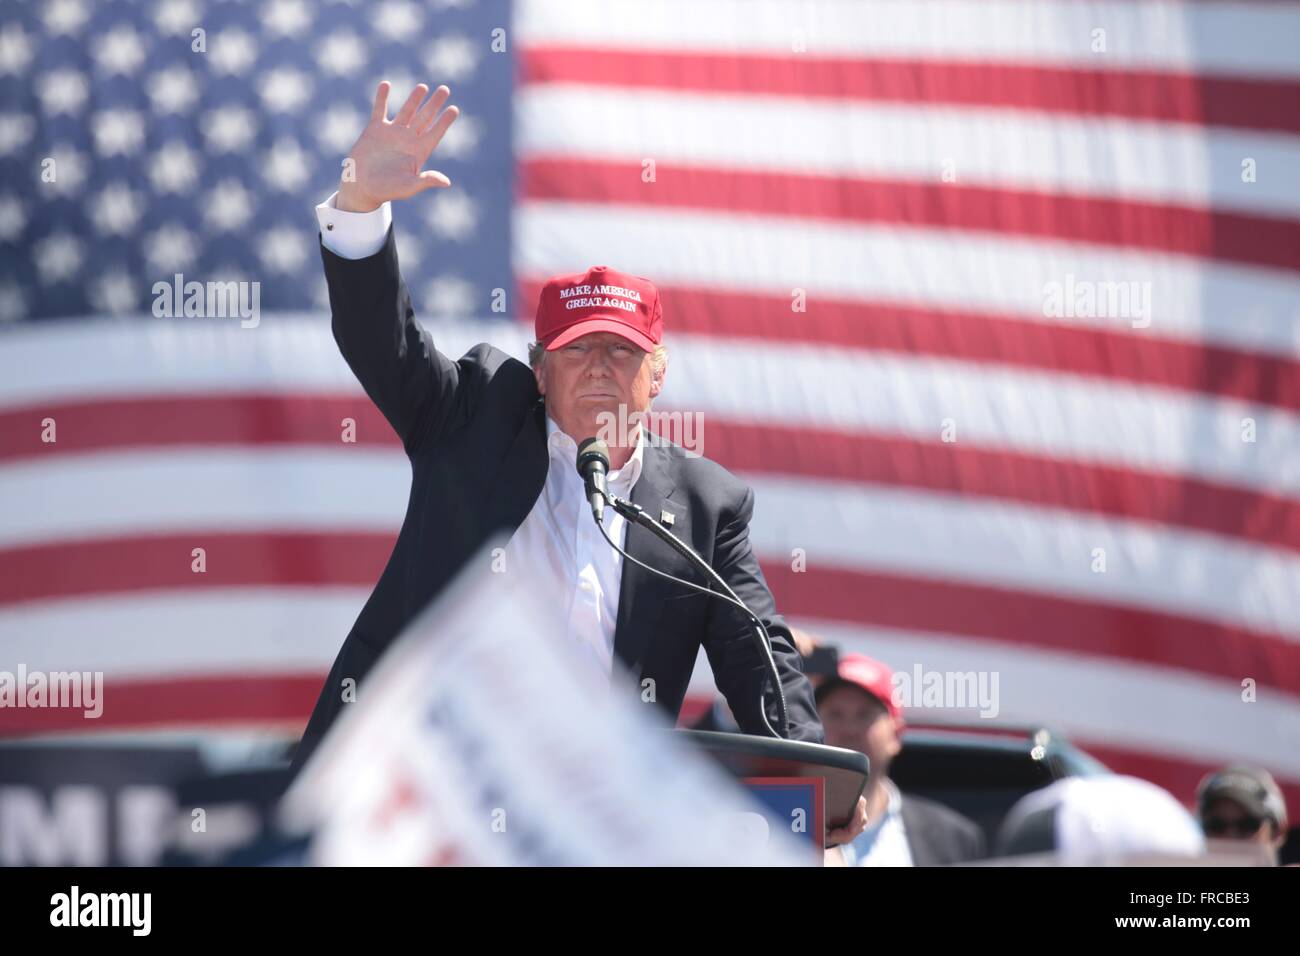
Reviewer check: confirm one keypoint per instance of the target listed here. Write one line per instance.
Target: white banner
(481, 738)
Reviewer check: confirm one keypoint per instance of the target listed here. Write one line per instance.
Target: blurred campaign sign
(794, 803)
(483, 738)
(76, 803)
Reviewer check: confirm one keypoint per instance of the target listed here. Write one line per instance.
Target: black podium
(843, 772)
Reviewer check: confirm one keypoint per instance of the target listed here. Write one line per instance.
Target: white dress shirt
(353, 235)
(883, 842)
(558, 543)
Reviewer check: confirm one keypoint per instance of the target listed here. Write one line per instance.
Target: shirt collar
(895, 798)
(565, 450)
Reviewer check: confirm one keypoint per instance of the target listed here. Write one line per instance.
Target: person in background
(1104, 820)
(1243, 803)
(859, 713)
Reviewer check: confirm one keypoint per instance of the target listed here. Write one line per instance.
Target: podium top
(845, 772)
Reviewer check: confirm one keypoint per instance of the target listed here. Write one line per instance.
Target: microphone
(593, 466)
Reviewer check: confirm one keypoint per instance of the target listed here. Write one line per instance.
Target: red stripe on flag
(895, 461)
(982, 612)
(129, 704)
(756, 447)
(907, 329)
(197, 419)
(1234, 237)
(123, 565)
(1179, 776)
(1028, 619)
(1197, 99)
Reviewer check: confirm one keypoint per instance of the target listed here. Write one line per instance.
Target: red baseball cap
(599, 300)
(870, 675)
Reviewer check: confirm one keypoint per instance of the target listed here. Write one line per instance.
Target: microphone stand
(636, 514)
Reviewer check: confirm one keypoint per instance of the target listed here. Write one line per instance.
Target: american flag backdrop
(995, 303)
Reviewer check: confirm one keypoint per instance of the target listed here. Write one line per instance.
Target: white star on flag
(452, 215)
(121, 51)
(118, 132)
(232, 51)
(228, 206)
(452, 57)
(116, 209)
(287, 166)
(62, 91)
(175, 168)
(287, 17)
(170, 249)
(58, 257)
(342, 52)
(229, 129)
(65, 17)
(15, 50)
(173, 90)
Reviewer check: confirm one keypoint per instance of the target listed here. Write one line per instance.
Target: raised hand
(388, 156)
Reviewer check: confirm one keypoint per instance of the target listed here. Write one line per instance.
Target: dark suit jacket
(474, 431)
(937, 835)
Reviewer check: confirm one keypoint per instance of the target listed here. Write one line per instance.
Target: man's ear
(657, 380)
(541, 380)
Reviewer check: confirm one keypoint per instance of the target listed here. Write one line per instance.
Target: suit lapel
(637, 600)
(523, 475)
(917, 836)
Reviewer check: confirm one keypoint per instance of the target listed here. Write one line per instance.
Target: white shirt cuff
(353, 235)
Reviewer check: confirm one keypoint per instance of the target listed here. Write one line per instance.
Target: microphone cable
(765, 639)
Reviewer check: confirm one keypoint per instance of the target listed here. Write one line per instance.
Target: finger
(431, 178)
(429, 111)
(404, 115)
(434, 134)
(380, 111)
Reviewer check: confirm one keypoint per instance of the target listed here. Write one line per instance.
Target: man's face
(590, 378)
(855, 720)
(1226, 819)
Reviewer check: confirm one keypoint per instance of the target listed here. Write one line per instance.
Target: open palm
(389, 156)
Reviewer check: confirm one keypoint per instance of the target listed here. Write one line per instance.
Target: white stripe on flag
(148, 634)
(1140, 161)
(1189, 299)
(217, 490)
(992, 406)
(1155, 710)
(930, 534)
(1250, 38)
(1049, 551)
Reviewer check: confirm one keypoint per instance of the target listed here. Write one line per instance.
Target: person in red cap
(599, 358)
(860, 711)
(493, 442)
